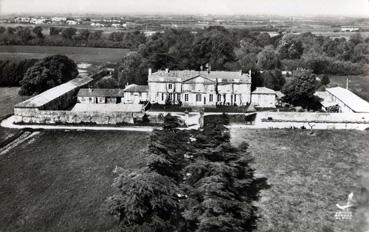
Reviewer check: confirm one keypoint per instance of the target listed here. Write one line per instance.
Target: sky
(269, 7)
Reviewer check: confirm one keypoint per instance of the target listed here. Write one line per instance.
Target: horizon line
(181, 14)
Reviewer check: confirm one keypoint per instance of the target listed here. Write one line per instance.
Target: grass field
(357, 84)
(58, 181)
(78, 54)
(8, 98)
(309, 174)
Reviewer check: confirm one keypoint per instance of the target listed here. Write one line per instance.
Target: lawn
(78, 54)
(309, 174)
(8, 98)
(58, 181)
(357, 84)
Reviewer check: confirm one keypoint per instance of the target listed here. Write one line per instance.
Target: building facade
(135, 94)
(200, 88)
(263, 97)
(132, 94)
(100, 96)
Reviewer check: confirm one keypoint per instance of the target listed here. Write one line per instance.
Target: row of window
(198, 97)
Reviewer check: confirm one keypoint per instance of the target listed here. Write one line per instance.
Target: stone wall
(62, 102)
(34, 116)
(312, 120)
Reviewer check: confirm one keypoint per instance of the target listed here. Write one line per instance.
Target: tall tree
(300, 89)
(290, 47)
(273, 79)
(54, 31)
(84, 34)
(96, 35)
(145, 201)
(47, 73)
(268, 59)
(38, 32)
(171, 49)
(247, 55)
(325, 80)
(263, 39)
(2, 30)
(24, 34)
(214, 46)
(10, 30)
(131, 70)
(69, 32)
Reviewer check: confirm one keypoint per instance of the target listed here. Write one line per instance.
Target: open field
(58, 181)
(78, 54)
(309, 174)
(8, 98)
(357, 84)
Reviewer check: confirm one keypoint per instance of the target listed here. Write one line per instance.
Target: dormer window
(170, 86)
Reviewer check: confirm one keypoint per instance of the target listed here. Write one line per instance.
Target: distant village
(151, 25)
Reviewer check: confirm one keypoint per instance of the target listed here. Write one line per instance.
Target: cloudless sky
(281, 7)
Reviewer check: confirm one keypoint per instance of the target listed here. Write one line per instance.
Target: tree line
(193, 181)
(245, 50)
(35, 76)
(69, 36)
(12, 72)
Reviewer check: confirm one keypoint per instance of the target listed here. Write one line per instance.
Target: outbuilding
(347, 101)
(100, 96)
(263, 97)
(134, 94)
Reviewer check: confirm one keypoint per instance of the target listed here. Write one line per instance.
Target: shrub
(146, 201)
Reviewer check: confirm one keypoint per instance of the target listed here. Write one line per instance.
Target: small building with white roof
(263, 97)
(134, 94)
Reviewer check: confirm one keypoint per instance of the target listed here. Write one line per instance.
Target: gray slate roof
(100, 93)
(137, 88)
(183, 75)
(53, 93)
(354, 102)
(263, 90)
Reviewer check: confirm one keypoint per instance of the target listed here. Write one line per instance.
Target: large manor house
(186, 88)
(193, 88)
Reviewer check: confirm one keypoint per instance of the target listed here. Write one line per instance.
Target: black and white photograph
(184, 115)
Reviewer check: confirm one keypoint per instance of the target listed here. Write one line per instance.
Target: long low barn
(347, 101)
(57, 98)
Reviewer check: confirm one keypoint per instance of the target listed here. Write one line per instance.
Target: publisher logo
(344, 212)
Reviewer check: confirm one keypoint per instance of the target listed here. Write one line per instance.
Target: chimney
(201, 68)
(167, 70)
(150, 71)
(250, 72)
(209, 69)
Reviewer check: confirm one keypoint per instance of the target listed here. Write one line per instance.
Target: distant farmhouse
(350, 29)
(200, 88)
